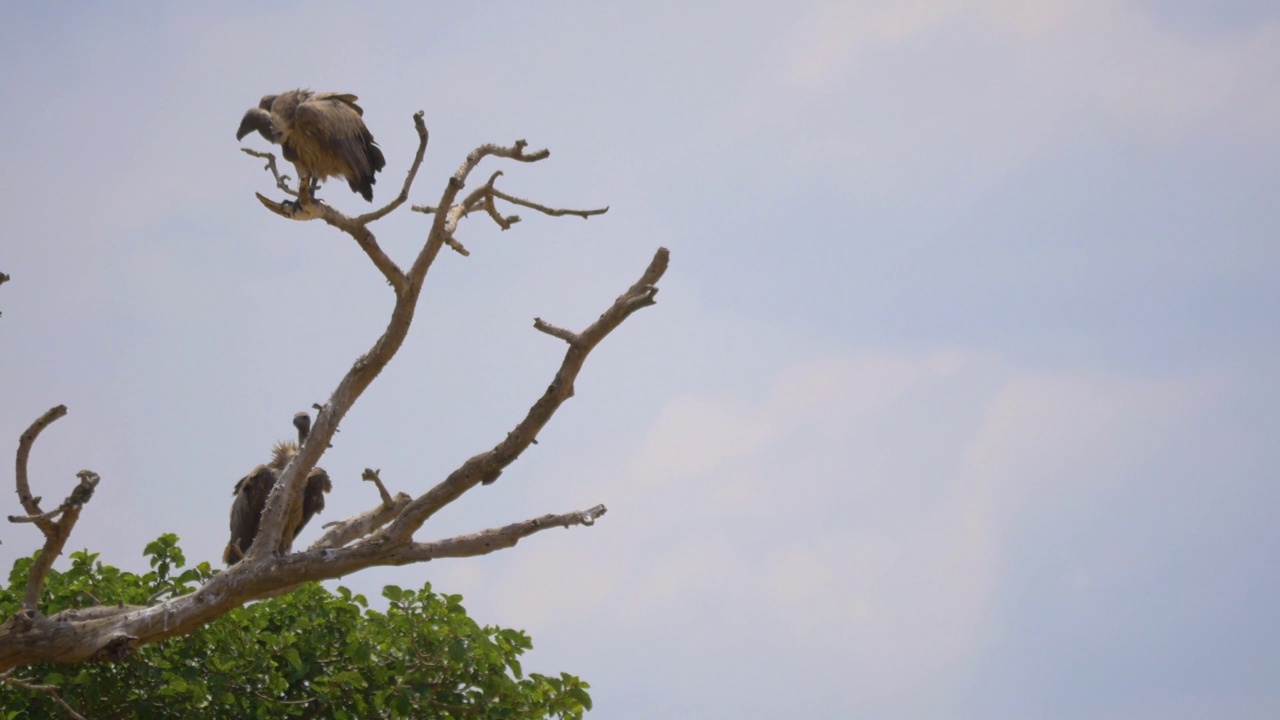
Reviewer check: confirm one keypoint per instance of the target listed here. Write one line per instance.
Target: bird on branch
(253, 489)
(322, 134)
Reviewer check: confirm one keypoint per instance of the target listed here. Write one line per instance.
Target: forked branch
(56, 532)
(50, 690)
(282, 181)
(486, 467)
(482, 198)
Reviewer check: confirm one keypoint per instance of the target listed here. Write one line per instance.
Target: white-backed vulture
(252, 491)
(322, 134)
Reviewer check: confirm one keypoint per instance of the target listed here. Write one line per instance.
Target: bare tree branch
(554, 212)
(50, 690)
(56, 537)
(487, 466)
(487, 541)
(36, 518)
(556, 332)
(344, 532)
(482, 198)
(371, 475)
(25, 441)
(400, 199)
(282, 181)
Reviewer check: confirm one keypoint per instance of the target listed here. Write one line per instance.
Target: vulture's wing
(318, 483)
(334, 120)
(246, 511)
(346, 98)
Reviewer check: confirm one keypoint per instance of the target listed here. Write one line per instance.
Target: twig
(51, 690)
(554, 212)
(281, 180)
(456, 246)
(482, 198)
(371, 475)
(343, 532)
(557, 332)
(487, 541)
(400, 199)
(36, 518)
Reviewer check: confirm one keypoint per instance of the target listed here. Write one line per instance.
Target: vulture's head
(302, 421)
(260, 120)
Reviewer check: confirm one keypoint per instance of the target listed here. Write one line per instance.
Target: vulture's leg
(313, 184)
(305, 196)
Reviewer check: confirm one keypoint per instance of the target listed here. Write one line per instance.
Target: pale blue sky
(959, 400)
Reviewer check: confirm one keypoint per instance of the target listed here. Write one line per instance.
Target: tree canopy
(310, 653)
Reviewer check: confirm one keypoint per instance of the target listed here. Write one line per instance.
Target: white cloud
(955, 95)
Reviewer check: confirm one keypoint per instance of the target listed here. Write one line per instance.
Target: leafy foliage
(309, 654)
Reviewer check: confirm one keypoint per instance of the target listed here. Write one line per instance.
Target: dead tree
(382, 535)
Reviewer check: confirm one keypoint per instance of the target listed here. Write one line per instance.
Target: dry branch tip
(554, 331)
(373, 476)
(282, 181)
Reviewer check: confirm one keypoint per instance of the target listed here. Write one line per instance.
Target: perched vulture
(322, 134)
(252, 491)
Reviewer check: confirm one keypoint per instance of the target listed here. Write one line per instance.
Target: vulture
(322, 134)
(252, 491)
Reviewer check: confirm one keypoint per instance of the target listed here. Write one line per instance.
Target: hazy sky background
(959, 400)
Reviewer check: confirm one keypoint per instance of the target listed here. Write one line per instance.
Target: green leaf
(255, 661)
(580, 696)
